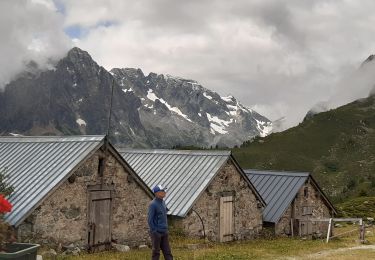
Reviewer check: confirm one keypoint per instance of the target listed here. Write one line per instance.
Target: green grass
(255, 249)
(337, 147)
(362, 207)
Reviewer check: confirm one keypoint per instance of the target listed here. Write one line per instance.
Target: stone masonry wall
(314, 201)
(283, 226)
(62, 217)
(247, 215)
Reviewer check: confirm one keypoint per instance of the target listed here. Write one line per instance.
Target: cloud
(279, 57)
(31, 30)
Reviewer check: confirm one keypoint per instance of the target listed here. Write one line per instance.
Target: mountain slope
(337, 146)
(71, 99)
(148, 111)
(187, 111)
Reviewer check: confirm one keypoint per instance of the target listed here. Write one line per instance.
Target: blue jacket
(157, 216)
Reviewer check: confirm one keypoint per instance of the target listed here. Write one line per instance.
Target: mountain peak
(80, 60)
(368, 60)
(78, 51)
(77, 55)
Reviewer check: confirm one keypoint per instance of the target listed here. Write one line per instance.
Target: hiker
(157, 222)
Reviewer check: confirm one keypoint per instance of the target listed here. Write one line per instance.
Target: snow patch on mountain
(265, 128)
(207, 96)
(81, 122)
(153, 97)
(149, 106)
(127, 90)
(232, 110)
(206, 118)
(227, 99)
(15, 135)
(217, 124)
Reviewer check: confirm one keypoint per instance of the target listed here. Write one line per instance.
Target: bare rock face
(72, 99)
(155, 111)
(177, 111)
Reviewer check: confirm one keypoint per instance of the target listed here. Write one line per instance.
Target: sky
(281, 58)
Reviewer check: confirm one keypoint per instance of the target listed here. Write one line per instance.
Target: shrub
(6, 231)
(5, 189)
(331, 166)
(363, 193)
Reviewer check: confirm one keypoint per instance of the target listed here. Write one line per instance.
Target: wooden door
(305, 228)
(99, 219)
(226, 219)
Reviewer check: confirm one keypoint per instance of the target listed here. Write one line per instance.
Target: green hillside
(361, 207)
(337, 147)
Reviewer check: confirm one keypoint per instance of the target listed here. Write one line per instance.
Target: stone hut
(74, 189)
(208, 193)
(292, 199)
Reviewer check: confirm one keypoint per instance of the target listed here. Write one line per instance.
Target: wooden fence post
(291, 227)
(329, 229)
(362, 232)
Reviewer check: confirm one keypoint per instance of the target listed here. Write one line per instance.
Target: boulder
(121, 248)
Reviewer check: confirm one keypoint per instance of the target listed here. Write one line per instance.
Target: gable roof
(35, 166)
(279, 189)
(185, 173)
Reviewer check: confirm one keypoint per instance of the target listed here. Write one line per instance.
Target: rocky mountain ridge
(158, 111)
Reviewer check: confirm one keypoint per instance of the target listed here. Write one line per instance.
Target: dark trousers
(160, 241)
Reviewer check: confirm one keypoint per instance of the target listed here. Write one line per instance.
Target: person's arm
(151, 217)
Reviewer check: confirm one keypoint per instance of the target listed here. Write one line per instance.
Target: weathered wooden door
(305, 228)
(99, 219)
(226, 219)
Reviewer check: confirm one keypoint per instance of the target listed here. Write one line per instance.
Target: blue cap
(158, 188)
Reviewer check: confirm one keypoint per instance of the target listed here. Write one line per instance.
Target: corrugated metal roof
(278, 189)
(36, 165)
(185, 173)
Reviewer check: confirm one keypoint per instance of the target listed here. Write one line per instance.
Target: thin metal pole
(106, 138)
(110, 110)
(204, 230)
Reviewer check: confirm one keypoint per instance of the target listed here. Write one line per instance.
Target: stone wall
(247, 214)
(62, 217)
(304, 206)
(283, 226)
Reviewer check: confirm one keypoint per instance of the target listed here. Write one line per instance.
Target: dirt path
(332, 252)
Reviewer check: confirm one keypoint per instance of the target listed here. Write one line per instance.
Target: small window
(306, 192)
(101, 166)
(306, 210)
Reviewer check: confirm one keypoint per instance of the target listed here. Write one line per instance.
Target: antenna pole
(106, 138)
(110, 110)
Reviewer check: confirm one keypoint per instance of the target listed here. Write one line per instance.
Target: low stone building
(74, 190)
(292, 199)
(208, 193)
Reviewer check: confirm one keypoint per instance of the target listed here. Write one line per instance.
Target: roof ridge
(46, 139)
(280, 173)
(172, 151)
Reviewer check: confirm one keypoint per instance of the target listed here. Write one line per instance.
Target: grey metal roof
(36, 165)
(186, 174)
(278, 189)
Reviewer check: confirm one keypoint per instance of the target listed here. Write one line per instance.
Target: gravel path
(331, 252)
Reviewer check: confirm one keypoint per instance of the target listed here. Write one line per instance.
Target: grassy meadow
(346, 247)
